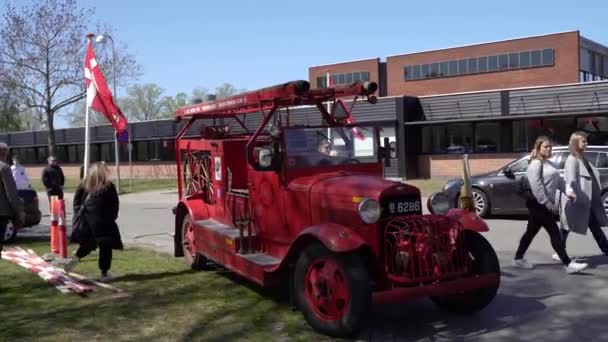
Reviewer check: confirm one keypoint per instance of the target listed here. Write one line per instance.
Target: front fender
(335, 237)
(469, 220)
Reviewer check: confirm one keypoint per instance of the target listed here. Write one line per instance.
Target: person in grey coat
(546, 186)
(11, 207)
(583, 208)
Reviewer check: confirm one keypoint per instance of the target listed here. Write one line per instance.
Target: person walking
(99, 200)
(53, 179)
(11, 207)
(583, 208)
(546, 186)
(19, 175)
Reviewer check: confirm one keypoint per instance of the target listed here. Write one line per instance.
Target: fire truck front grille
(423, 249)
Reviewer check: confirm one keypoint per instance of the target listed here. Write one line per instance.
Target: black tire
(354, 276)
(481, 202)
(191, 257)
(10, 233)
(484, 261)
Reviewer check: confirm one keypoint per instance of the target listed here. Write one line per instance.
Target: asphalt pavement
(542, 304)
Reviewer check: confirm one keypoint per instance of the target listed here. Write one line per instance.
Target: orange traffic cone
(62, 235)
(54, 221)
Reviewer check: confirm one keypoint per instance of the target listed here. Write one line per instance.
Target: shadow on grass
(151, 276)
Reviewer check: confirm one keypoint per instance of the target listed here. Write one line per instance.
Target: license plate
(404, 207)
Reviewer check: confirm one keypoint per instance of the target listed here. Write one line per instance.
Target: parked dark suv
(495, 193)
(32, 213)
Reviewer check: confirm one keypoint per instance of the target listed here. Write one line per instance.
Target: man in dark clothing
(11, 207)
(53, 180)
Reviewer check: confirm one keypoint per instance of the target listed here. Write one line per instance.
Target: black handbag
(78, 222)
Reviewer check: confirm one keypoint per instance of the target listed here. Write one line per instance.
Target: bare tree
(144, 102)
(198, 93)
(171, 104)
(10, 121)
(226, 90)
(42, 50)
(76, 116)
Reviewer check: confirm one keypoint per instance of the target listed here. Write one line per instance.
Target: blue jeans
(596, 230)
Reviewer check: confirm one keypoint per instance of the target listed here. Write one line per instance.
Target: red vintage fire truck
(307, 207)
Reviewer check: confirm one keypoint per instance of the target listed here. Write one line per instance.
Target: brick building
(552, 59)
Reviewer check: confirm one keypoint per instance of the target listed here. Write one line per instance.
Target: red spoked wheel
(326, 289)
(197, 175)
(191, 256)
(332, 290)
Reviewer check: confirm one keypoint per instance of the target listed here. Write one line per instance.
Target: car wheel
(605, 201)
(10, 232)
(480, 200)
(484, 261)
(191, 256)
(332, 290)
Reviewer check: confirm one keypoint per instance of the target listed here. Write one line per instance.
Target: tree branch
(69, 101)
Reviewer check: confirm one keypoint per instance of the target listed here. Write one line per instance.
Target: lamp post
(102, 38)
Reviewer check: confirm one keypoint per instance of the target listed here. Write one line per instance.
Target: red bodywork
(255, 222)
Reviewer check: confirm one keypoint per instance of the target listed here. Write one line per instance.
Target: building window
(141, 151)
(462, 67)
(408, 73)
(514, 61)
(444, 69)
(524, 59)
(321, 82)
(73, 157)
(524, 133)
(535, 58)
(453, 68)
(547, 58)
(472, 64)
(482, 63)
(487, 137)
(435, 70)
(415, 72)
(503, 62)
(425, 71)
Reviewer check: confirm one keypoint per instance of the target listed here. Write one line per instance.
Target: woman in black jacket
(99, 199)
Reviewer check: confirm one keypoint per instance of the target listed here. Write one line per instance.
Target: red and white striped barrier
(62, 281)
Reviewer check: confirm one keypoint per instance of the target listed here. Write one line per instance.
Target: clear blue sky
(183, 44)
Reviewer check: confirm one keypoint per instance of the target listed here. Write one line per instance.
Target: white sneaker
(575, 267)
(522, 263)
(69, 266)
(555, 257)
(106, 277)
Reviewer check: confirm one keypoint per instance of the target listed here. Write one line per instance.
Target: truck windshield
(323, 146)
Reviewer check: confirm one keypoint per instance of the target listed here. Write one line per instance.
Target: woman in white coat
(584, 207)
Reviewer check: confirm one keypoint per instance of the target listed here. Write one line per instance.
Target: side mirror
(265, 158)
(508, 172)
(392, 149)
(387, 152)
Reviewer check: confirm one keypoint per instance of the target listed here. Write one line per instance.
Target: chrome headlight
(369, 210)
(438, 203)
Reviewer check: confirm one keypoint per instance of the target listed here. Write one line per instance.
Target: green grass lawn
(166, 302)
(139, 185)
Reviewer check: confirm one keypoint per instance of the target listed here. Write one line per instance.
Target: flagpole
(87, 137)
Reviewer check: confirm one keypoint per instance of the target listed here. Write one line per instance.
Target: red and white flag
(99, 97)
